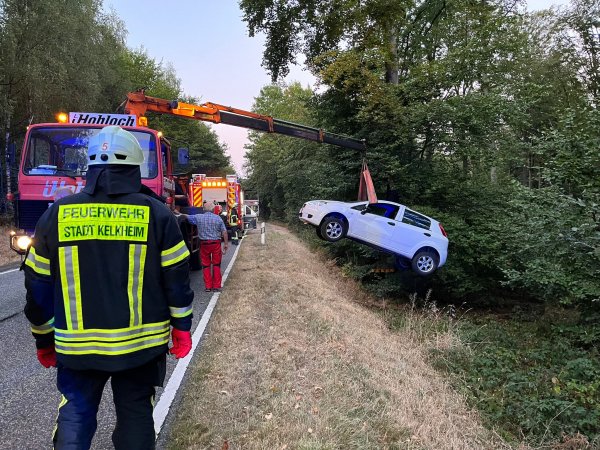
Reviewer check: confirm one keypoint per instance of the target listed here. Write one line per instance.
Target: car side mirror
(364, 211)
(183, 156)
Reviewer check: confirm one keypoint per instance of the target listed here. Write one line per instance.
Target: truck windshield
(63, 151)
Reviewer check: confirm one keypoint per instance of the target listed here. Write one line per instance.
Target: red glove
(47, 356)
(182, 343)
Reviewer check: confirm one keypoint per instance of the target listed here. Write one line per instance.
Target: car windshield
(63, 151)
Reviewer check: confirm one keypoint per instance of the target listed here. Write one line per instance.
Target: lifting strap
(366, 190)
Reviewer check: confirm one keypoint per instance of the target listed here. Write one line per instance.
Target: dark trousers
(133, 395)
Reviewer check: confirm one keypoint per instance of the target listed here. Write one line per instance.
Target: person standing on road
(211, 229)
(106, 277)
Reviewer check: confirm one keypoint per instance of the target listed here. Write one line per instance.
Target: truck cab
(54, 164)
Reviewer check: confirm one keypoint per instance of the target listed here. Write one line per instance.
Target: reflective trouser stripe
(71, 288)
(135, 282)
(63, 402)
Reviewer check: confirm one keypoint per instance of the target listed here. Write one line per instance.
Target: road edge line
(9, 271)
(161, 410)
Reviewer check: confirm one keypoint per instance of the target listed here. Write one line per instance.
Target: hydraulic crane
(138, 103)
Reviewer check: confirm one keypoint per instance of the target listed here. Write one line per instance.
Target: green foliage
(539, 380)
(71, 56)
(490, 128)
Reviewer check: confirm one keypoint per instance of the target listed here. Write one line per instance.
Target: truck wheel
(425, 262)
(333, 229)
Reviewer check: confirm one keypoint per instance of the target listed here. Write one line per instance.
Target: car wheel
(318, 230)
(401, 263)
(333, 229)
(425, 262)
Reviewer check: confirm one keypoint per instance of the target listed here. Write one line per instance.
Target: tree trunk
(391, 65)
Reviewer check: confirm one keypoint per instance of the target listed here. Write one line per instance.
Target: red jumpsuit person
(210, 229)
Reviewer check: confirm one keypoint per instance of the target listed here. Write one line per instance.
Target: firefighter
(234, 224)
(107, 277)
(211, 230)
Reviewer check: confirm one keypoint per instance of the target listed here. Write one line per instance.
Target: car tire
(333, 229)
(401, 263)
(318, 231)
(425, 262)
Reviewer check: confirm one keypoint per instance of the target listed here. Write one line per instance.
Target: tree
(45, 70)
(314, 27)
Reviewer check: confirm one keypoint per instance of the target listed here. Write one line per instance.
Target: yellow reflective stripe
(39, 258)
(68, 258)
(174, 254)
(130, 273)
(45, 328)
(65, 286)
(124, 331)
(99, 348)
(173, 249)
(65, 339)
(63, 402)
(38, 263)
(140, 284)
(180, 312)
(135, 282)
(77, 286)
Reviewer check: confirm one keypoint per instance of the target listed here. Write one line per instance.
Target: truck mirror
(183, 156)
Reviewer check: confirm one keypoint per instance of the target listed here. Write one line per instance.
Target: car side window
(360, 207)
(383, 210)
(416, 219)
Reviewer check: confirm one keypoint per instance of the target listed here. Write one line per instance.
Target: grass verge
(296, 357)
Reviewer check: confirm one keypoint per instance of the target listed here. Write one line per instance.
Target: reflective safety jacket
(106, 276)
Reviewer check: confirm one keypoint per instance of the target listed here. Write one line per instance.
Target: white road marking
(168, 395)
(9, 271)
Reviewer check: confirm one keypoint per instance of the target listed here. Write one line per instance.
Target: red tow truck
(54, 157)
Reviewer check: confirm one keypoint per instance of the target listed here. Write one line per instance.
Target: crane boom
(139, 103)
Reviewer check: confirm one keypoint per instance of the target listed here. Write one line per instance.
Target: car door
(380, 225)
(414, 229)
(357, 224)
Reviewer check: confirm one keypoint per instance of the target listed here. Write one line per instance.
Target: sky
(207, 43)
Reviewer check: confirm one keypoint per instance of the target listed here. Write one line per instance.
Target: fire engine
(226, 192)
(54, 158)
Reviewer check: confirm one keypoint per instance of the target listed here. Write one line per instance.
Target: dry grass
(294, 359)
(7, 256)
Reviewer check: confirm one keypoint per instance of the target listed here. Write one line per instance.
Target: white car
(412, 237)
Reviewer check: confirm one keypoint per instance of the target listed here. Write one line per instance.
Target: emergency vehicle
(226, 192)
(54, 158)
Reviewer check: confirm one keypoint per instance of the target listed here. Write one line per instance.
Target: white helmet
(114, 145)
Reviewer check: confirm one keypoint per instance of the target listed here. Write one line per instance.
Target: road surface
(28, 396)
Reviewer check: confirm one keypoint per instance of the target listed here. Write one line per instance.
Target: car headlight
(19, 242)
